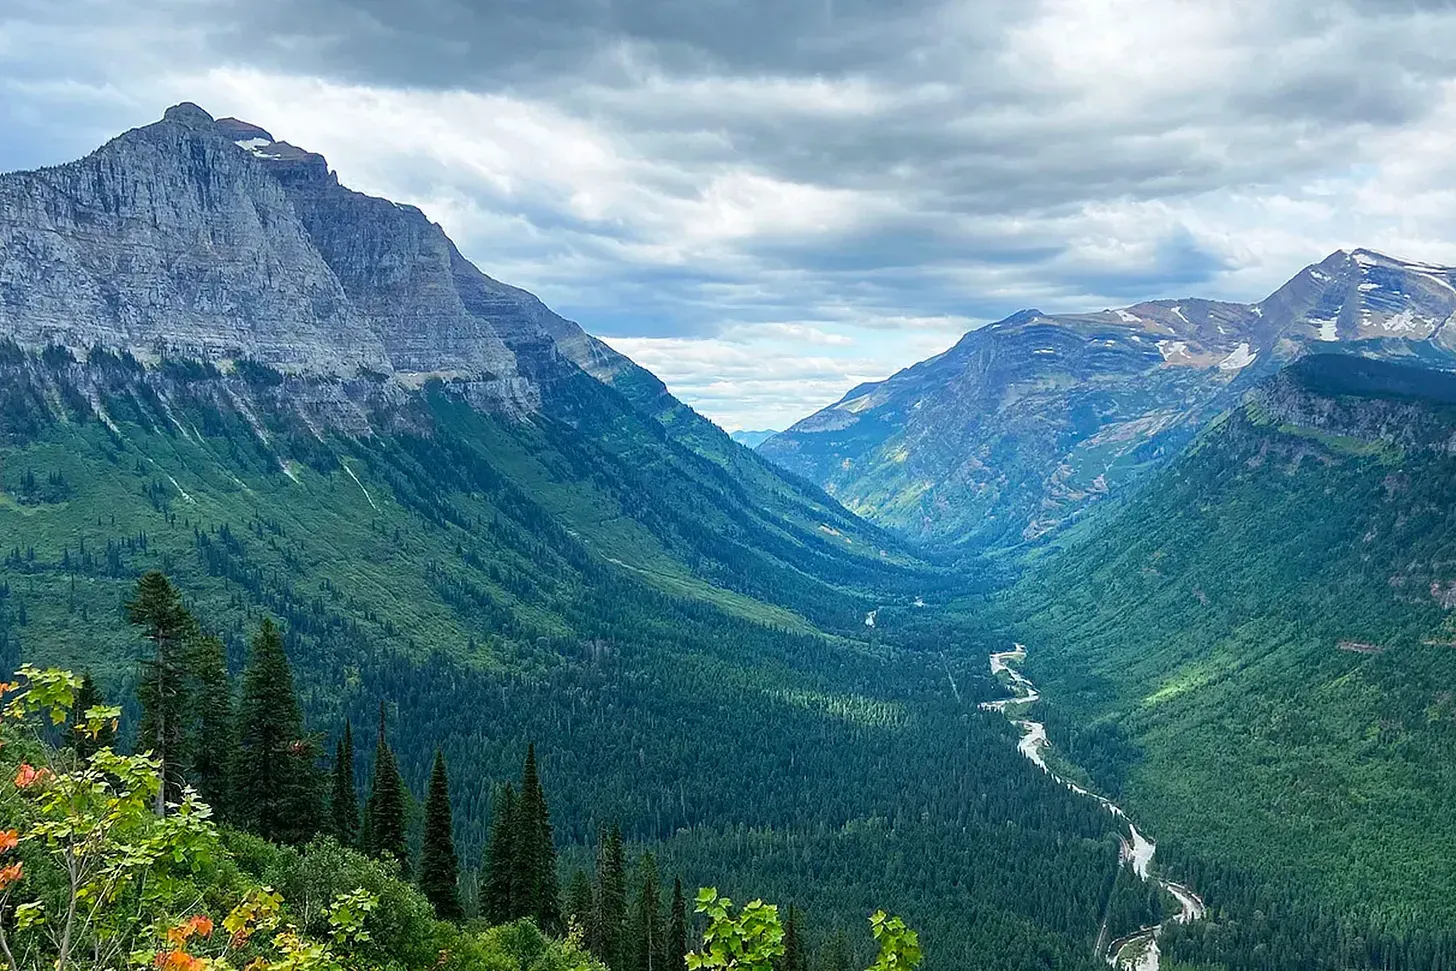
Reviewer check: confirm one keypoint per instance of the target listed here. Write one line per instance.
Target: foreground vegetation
(93, 876)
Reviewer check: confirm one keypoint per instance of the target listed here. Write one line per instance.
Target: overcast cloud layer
(768, 202)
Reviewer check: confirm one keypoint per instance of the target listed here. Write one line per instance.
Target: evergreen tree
(157, 609)
(539, 895)
(580, 909)
(385, 807)
(343, 797)
(835, 954)
(213, 741)
(439, 866)
(611, 898)
(647, 940)
(88, 696)
(677, 931)
(793, 958)
(497, 900)
(278, 790)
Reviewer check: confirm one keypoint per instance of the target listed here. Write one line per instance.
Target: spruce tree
(536, 882)
(498, 904)
(385, 807)
(439, 866)
(278, 792)
(213, 737)
(580, 909)
(836, 956)
(793, 958)
(343, 797)
(88, 696)
(647, 943)
(611, 901)
(157, 609)
(677, 931)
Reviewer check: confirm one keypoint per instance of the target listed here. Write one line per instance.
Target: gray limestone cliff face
(171, 237)
(207, 238)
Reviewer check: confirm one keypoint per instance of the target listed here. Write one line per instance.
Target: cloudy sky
(769, 201)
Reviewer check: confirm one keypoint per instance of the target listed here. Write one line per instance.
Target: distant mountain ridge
(1028, 423)
(752, 438)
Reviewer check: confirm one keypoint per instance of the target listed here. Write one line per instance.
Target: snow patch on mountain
(1172, 350)
(1241, 358)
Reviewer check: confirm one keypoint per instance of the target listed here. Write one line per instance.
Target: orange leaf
(200, 924)
(177, 960)
(9, 875)
(28, 776)
(9, 839)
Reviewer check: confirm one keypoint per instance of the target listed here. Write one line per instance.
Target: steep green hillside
(1257, 655)
(689, 662)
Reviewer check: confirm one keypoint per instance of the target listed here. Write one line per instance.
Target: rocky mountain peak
(188, 114)
(1029, 422)
(211, 239)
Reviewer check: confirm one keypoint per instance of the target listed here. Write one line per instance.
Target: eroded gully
(1137, 951)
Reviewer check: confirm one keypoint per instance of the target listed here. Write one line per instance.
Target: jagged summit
(189, 114)
(211, 239)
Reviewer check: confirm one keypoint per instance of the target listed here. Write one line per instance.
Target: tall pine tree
(212, 745)
(647, 940)
(536, 882)
(580, 908)
(157, 609)
(278, 792)
(439, 866)
(88, 696)
(497, 903)
(343, 797)
(385, 807)
(836, 954)
(677, 931)
(611, 901)
(793, 958)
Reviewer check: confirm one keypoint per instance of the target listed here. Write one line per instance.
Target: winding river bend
(1137, 951)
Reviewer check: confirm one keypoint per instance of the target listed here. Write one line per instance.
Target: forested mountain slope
(302, 402)
(1026, 425)
(1257, 654)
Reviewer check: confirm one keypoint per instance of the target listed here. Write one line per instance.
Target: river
(1137, 951)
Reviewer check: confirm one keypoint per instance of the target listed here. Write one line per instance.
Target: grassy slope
(1202, 630)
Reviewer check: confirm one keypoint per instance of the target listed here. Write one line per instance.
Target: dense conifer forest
(1285, 717)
